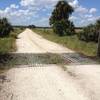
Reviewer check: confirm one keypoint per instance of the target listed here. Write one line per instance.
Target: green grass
(7, 45)
(16, 32)
(72, 42)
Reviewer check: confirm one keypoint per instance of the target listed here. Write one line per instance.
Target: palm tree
(98, 30)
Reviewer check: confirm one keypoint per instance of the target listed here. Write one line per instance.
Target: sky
(38, 12)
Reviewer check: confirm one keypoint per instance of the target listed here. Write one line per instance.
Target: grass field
(72, 42)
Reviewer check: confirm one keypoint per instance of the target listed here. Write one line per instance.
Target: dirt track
(49, 82)
(30, 42)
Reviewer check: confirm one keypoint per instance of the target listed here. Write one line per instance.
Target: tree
(98, 30)
(59, 19)
(5, 27)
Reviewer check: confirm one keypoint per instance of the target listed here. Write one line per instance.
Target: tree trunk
(98, 52)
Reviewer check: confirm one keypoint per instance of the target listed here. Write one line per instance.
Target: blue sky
(25, 12)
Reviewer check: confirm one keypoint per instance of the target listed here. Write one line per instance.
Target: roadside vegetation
(7, 44)
(63, 31)
(72, 42)
(8, 34)
(91, 33)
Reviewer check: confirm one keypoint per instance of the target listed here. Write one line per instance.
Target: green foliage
(5, 27)
(16, 31)
(89, 33)
(98, 24)
(58, 28)
(31, 26)
(72, 42)
(8, 44)
(60, 19)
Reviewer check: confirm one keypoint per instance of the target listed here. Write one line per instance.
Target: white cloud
(93, 19)
(85, 15)
(74, 3)
(88, 15)
(78, 8)
(13, 6)
(27, 2)
(81, 9)
(30, 11)
(16, 15)
(73, 18)
(93, 10)
(37, 2)
(11, 10)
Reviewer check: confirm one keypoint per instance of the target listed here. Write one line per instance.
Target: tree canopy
(59, 19)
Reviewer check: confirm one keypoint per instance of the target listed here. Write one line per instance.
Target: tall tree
(98, 29)
(59, 19)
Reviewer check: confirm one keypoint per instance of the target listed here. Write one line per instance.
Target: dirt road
(48, 82)
(30, 42)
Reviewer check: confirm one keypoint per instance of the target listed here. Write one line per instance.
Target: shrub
(89, 34)
(5, 27)
(13, 35)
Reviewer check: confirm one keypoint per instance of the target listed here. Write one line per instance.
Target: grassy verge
(8, 44)
(72, 42)
(16, 32)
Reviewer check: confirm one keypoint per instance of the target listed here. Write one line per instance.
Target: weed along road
(35, 79)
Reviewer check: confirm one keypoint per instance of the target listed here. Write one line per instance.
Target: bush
(13, 35)
(5, 27)
(89, 34)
